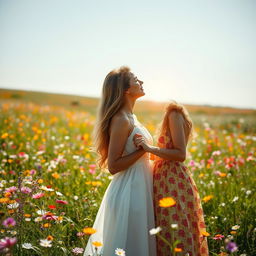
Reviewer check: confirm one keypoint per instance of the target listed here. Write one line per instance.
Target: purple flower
(26, 190)
(231, 247)
(7, 242)
(9, 222)
(11, 189)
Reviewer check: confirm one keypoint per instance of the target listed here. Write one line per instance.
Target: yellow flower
(201, 175)
(40, 181)
(204, 233)
(207, 198)
(4, 200)
(89, 231)
(167, 202)
(4, 135)
(97, 244)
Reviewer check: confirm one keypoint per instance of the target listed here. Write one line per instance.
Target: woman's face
(135, 89)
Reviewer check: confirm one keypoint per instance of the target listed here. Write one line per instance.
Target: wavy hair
(115, 84)
(174, 106)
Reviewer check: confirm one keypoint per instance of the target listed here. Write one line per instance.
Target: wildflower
(61, 202)
(167, 202)
(235, 198)
(46, 188)
(80, 234)
(25, 190)
(231, 247)
(77, 250)
(236, 227)
(45, 243)
(154, 231)
(13, 206)
(51, 206)
(174, 226)
(204, 233)
(7, 242)
(218, 237)
(120, 252)
(89, 231)
(97, 244)
(4, 200)
(9, 222)
(207, 198)
(176, 249)
(27, 246)
(38, 195)
(248, 192)
(11, 189)
(50, 238)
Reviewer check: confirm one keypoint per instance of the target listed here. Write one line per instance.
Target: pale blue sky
(193, 51)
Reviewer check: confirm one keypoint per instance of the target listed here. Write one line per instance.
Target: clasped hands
(140, 142)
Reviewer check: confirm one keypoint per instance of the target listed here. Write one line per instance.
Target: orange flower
(177, 249)
(89, 231)
(233, 232)
(97, 244)
(55, 175)
(204, 233)
(50, 238)
(4, 200)
(167, 202)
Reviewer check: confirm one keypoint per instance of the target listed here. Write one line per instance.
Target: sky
(192, 51)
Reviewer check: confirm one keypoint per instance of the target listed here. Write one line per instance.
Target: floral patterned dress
(174, 179)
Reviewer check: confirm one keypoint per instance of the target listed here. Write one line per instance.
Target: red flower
(52, 206)
(61, 202)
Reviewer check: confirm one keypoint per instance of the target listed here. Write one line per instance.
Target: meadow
(51, 187)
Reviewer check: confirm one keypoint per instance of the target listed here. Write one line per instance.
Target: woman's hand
(140, 142)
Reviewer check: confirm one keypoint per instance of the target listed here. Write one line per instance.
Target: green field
(46, 156)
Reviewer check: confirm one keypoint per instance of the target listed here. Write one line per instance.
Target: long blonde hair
(174, 106)
(115, 84)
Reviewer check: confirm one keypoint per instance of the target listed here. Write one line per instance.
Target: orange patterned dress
(174, 179)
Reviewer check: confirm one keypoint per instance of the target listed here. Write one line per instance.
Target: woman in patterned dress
(173, 179)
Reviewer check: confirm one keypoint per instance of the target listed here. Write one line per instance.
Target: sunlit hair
(112, 100)
(174, 106)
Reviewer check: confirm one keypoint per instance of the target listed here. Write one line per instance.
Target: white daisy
(27, 246)
(45, 243)
(154, 231)
(119, 251)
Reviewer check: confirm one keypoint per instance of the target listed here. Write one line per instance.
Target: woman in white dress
(126, 213)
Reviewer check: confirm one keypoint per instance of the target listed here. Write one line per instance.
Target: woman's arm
(119, 132)
(178, 153)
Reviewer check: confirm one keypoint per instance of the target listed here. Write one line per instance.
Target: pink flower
(9, 222)
(38, 195)
(7, 242)
(32, 172)
(192, 163)
(11, 189)
(218, 237)
(26, 190)
(61, 202)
